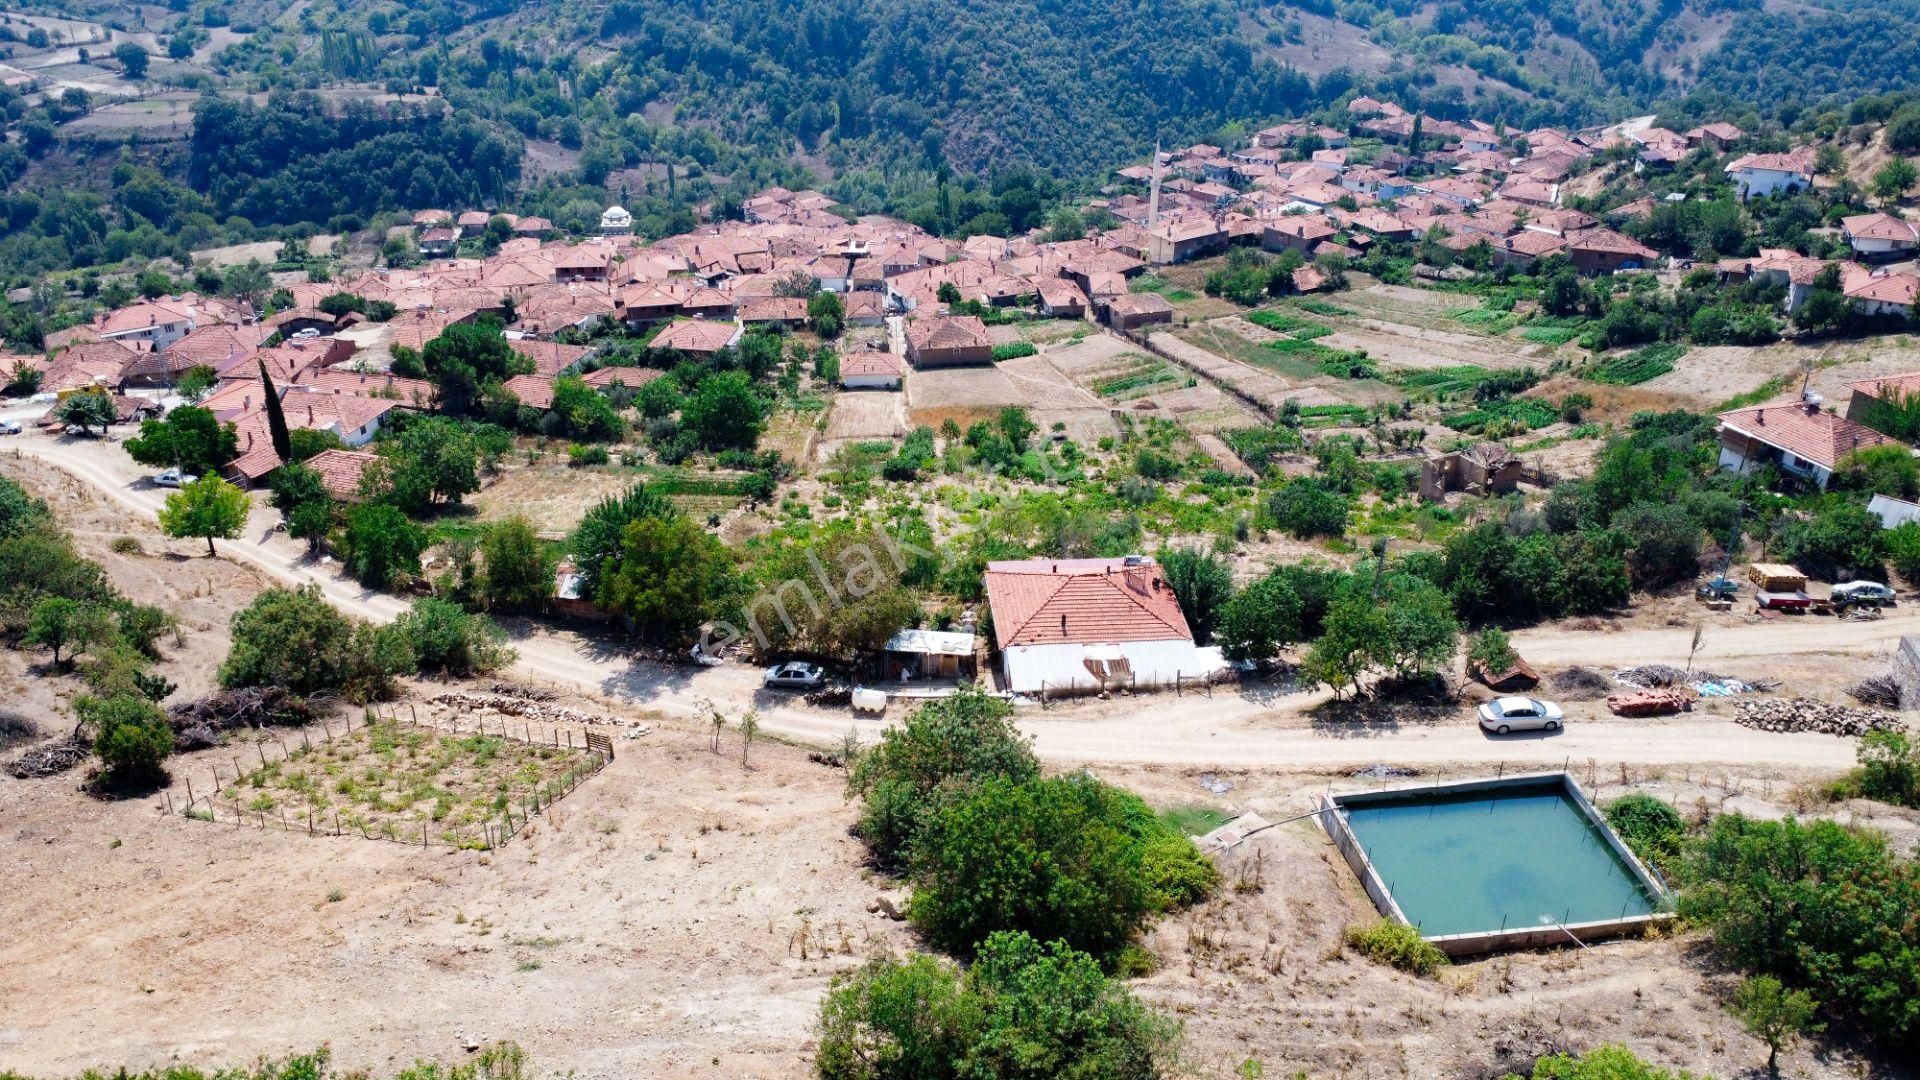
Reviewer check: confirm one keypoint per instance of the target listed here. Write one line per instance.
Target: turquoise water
(1514, 857)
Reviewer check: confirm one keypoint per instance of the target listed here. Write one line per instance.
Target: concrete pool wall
(1332, 814)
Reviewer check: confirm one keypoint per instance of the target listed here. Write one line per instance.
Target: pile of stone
(1806, 714)
(526, 709)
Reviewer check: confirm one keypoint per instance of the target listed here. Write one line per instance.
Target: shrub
(1651, 827)
(1023, 1011)
(444, 637)
(1013, 350)
(1491, 651)
(579, 455)
(1396, 945)
(1602, 1063)
(1055, 858)
(1817, 905)
(946, 747)
(131, 737)
(294, 638)
(1308, 507)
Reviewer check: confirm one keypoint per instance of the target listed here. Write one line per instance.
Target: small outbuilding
(929, 654)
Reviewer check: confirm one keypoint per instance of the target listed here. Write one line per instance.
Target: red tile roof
(950, 332)
(1806, 432)
(533, 390)
(1084, 601)
(696, 336)
(340, 471)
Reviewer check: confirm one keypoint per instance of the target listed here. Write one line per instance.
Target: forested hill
(1058, 84)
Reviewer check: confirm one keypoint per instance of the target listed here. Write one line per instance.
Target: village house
(948, 341)
(870, 370)
(1130, 311)
(1183, 240)
(1795, 435)
(440, 242)
(1756, 175)
(1717, 137)
(1880, 293)
(1878, 236)
(1084, 625)
(698, 337)
(340, 471)
(150, 324)
(1603, 251)
(1864, 395)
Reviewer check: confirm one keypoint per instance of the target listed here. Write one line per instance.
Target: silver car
(174, 478)
(9, 427)
(1520, 714)
(795, 675)
(1862, 592)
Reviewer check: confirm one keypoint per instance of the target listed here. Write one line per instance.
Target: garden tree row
(1040, 882)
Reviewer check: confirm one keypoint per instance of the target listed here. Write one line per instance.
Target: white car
(174, 478)
(1520, 714)
(9, 427)
(795, 675)
(1862, 592)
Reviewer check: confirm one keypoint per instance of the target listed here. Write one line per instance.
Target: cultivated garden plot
(866, 414)
(467, 786)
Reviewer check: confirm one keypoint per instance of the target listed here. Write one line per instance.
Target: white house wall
(1062, 668)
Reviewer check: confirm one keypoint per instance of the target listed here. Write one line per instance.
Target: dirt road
(1236, 727)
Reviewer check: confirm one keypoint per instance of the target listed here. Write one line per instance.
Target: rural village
(1440, 532)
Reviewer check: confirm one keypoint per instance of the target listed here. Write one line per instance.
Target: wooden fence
(217, 801)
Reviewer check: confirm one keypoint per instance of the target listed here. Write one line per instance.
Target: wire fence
(218, 799)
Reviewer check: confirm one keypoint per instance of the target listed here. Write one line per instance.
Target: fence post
(189, 792)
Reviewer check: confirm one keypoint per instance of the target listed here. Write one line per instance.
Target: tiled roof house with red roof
(1795, 435)
(1072, 625)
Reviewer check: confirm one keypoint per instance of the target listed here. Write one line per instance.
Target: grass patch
(1550, 335)
(1316, 416)
(1487, 320)
(1445, 382)
(1339, 363)
(1194, 820)
(1638, 366)
(1506, 414)
(1277, 321)
(1766, 391)
(1145, 375)
(1322, 307)
(1396, 945)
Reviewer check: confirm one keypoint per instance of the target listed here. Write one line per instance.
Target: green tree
(59, 623)
(248, 284)
(671, 575)
(946, 747)
(276, 416)
(1894, 179)
(1816, 905)
(294, 638)
(308, 442)
(87, 410)
(443, 637)
(1259, 620)
(1054, 858)
(1021, 1011)
(827, 314)
(190, 439)
(1664, 543)
(1887, 469)
(519, 575)
(1651, 827)
(585, 412)
(131, 737)
(1773, 1014)
(1307, 507)
(1066, 225)
(197, 382)
(597, 541)
(724, 412)
(209, 508)
(1017, 427)
(1887, 770)
(465, 358)
(1202, 582)
(1826, 308)
(432, 460)
(382, 547)
(133, 59)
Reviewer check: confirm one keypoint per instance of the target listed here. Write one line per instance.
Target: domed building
(616, 222)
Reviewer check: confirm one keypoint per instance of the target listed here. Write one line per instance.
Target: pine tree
(276, 418)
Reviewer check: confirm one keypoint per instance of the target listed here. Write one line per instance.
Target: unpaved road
(1238, 728)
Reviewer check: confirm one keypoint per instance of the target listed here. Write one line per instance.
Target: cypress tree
(276, 419)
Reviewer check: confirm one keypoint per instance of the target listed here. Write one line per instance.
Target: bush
(445, 638)
(1061, 858)
(944, 749)
(1022, 1011)
(131, 737)
(1651, 827)
(1013, 350)
(1396, 945)
(1309, 507)
(1491, 651)
(294, 638)
(1816, 905)
(1602, 1063)
(579, 456)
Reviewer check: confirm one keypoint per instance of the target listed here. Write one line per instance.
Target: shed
(930, 654)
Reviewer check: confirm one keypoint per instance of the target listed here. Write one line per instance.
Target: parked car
(174, 478)
(795, 675)
(1862, 592)
(9, 427)
(1720, 588)
(1520, 714)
